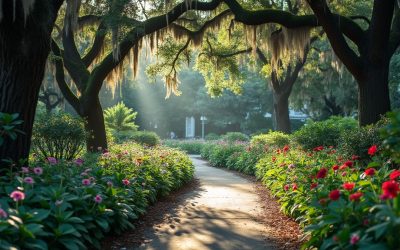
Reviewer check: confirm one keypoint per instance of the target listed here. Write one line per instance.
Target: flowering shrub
(341, 202)
(189, 146)
(72, 204)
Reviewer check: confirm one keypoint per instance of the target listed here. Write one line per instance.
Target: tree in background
(121, 28)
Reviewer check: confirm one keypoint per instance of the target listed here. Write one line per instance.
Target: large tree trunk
(373, 95)
(24, 47)
(281, 113)
(94, 126)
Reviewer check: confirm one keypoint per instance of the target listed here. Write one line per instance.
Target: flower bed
(342, 202)
(72, 205)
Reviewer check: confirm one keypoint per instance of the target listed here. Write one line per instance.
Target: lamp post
(203, 119)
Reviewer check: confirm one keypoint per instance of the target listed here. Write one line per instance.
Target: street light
(203, 119)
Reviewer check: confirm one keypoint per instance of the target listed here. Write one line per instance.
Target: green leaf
(67, 229)
(379, 229)
(40, 214)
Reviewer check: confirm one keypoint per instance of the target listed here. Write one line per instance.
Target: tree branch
(149, 26)
(334, 33)
(66, 91)
(98, 44)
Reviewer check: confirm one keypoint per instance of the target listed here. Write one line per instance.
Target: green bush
(189, 146)
(147, 138)
(72, 205)
(212, 137)
(391, 135)
(58, 135)
(120, 118)
(206, 150)
(357, 141)
(8, 126)
(235, 136)
(272, 138)
(222, 151)
(323, 133)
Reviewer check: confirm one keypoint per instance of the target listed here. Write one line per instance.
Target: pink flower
(86, 182)
(28, 180)
(25, 170)
(79, 162)
(3, 214)
(354, 239)
(52, 160)
(98, 199)
(286, 187)
(38, 170)
(126, 182)
(17, 195)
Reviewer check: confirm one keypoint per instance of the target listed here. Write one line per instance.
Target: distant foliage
(272, 138)
(357, 141)
(212, 137)
(235, 136)
(391, 133)
(146, 138)
(323, 133)
(189, 146)
(120, 118)
(58, 135)
(8, 126)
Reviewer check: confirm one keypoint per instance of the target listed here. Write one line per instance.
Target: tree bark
(24, 47)
(281, 110)
(94, 125)
(373, 95)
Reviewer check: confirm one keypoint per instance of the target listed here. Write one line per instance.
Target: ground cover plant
(60, 204)
(343, 201)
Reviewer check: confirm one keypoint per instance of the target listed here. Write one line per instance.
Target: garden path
(223, 213)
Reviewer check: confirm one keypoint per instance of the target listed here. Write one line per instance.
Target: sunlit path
(221, 214)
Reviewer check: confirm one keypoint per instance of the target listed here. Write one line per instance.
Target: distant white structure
(293, 115)
(190, 127)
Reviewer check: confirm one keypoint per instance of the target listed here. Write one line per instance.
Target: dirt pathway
(223, 213)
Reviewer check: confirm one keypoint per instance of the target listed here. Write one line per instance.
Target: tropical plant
(120, 118)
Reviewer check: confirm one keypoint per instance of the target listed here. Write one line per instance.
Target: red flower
(356, 196)
(322, 173)
(349, 185)
(343, 167)
(273, 159)
(322, 201)
(355, 157)
(286, 187)
(313, 185)
(372, 150)
(370, 171)
(294, 186)
(278, 151)
(354, 239)
(395, 174)
(285, 148)
(390, 189)
(320, 148)
(348, 163)
(334, 195)
(335, 167)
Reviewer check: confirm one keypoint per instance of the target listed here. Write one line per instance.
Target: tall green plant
(120, 118)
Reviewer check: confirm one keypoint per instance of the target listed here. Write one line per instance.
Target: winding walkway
(221, 214)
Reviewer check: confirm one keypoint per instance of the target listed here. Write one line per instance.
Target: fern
(120, 118)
